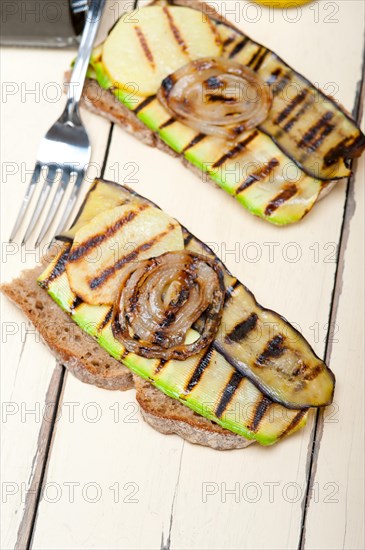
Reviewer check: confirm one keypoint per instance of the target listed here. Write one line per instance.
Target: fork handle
(78, 76)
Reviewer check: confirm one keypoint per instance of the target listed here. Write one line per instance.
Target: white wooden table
(80, 468)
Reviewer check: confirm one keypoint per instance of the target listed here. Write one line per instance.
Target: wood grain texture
(335, 516)
(124, 475)
(187, 496)
(26, 366)
(46, 431)
(32, 99)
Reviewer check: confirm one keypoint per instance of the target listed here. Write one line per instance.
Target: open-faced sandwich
(181, 78)
(131, 290)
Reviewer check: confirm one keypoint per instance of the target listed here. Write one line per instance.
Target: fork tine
(71, 201)
(65, 178)
(27, 198)
(52, 172)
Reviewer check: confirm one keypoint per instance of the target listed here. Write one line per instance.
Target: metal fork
(65, 150)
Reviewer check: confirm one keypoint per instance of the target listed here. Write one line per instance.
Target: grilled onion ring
(216, 96)
(162, 298)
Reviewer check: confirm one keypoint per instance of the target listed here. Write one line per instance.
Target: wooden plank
(124, 474)
(233, 500)
(32, 99)
(335, 515)
(33, 494)
(24, 381)
(181, 487)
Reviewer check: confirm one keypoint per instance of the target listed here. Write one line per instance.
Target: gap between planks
(40, 460)
(349, 208)
(46, 434)
(57, 384)
(47, 431)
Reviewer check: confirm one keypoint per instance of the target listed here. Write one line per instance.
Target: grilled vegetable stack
(256, 375)
(229, 106)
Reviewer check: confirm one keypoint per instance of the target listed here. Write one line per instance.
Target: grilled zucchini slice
(276, 364)
(206, 383)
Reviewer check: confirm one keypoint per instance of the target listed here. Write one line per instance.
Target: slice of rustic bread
(84, 358)
(76, 350)
(169, 416)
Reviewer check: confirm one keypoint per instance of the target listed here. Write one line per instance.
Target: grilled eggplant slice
(224, 377)
(267, 349)
(123, 235)
(279, 174)
(308, 126)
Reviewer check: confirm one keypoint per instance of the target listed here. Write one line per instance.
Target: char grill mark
(294, 423)
(274, 76)
(76, 303)
(238, 48)
(145, 47)
(175, 30)
(194, 142)
(228, 393)
(256, 66)
(280, 199)
(83, 249)
(106, 319)
(313, 373)
(167, 123)
(230, 290)
(160, 366)
(257, 58)
(260, 411)
(59, 268)
(144, 104)
(236, 150)
(187, 240)
(98, 281)
(279, 85)
(199, 370)
(242, 329)
(214, 83)
(348, 147)
(309, 138)
(214, 98)
(318, 142)
(228, 41)
(289, 125)
(260, 174)
(273, 349)
(289, 108)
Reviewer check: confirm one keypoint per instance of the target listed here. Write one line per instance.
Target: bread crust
(76, 350)
(169, 416)
(91, 364)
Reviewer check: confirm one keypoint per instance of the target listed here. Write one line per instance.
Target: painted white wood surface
(336, 516)
(173, 476)
(26, 366)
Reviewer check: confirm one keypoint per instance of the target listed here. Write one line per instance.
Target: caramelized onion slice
(162, 298)
(216, 96)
